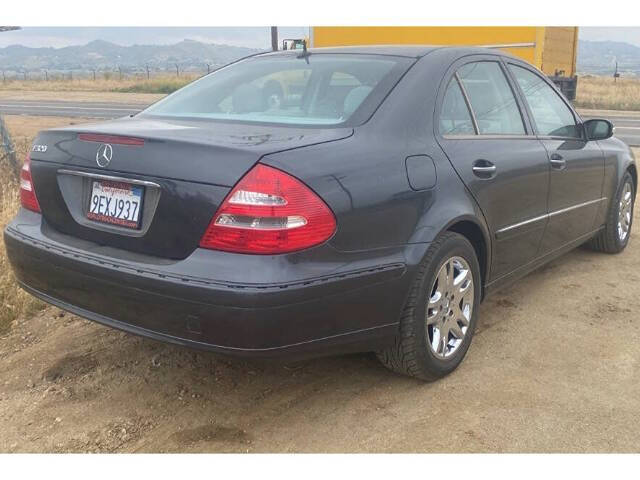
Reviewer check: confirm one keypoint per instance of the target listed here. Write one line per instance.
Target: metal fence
(140, 72)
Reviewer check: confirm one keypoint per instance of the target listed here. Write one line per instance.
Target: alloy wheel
(625, 211)
(450, 307)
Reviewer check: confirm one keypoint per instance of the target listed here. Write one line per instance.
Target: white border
(322, 12)
(311, 467)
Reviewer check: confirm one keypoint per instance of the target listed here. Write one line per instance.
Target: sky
(256, 37)
(616, 34)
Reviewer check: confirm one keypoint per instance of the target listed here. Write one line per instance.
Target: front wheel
(440, 315)
(615, 236)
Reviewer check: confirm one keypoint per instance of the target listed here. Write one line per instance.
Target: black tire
(608, 240)
(411, 354)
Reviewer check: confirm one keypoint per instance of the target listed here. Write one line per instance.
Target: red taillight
(28, 197)
(269, 212)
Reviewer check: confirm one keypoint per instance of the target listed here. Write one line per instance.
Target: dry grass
(111, 83)
(24, 128)
(604, 93)
(14, 302)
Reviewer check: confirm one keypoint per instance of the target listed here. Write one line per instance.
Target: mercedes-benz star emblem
(104, 154)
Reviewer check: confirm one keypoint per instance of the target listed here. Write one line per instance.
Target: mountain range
(599, 58)
(594, 57)
(103, 55)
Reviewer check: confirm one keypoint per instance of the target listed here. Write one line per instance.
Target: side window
(551, 115)
(455, 118)
(492, 99)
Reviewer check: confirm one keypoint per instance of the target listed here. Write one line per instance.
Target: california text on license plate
(117, 203)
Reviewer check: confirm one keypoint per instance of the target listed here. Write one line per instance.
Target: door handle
(484, 169)
(557, 161)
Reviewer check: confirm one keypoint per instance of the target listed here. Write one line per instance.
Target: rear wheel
(439, 318)
(615, 236)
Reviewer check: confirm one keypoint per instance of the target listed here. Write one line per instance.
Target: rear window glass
(319, 89)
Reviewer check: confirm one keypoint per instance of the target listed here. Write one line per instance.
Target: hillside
(594, 57)
(102, 55)
(599, 58)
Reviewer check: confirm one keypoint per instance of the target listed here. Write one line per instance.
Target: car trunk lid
(184, 169)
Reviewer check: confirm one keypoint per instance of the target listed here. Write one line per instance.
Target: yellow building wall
(561, 41)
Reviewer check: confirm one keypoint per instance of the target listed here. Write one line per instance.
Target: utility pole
(616, 74)
(94, 74)
(120, 72)
(147, 68)
(274, 38)
(177, 70)
(208, 68)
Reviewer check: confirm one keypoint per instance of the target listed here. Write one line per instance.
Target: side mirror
(599, 129)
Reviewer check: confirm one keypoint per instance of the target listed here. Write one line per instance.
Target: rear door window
(551, 115)
(492, 100)
(455, 118)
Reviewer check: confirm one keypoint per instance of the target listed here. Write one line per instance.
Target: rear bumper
(350, 304)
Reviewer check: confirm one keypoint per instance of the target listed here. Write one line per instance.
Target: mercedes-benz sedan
(335, 200)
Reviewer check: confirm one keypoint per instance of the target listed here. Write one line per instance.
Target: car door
(577, 165)
(488, 139)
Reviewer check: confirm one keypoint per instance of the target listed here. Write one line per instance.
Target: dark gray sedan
(329, 201)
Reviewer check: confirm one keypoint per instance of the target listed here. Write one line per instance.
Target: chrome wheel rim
(450, 307)
(625, 212)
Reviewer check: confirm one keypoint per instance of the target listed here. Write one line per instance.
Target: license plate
(117, 203)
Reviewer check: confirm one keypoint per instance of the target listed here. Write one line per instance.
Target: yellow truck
(552, 49)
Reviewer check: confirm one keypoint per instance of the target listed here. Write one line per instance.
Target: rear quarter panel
(364, 179)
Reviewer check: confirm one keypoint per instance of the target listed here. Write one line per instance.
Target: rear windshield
(318, 89)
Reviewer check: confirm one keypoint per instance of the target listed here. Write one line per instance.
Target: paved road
(69, 109)
(627, 127)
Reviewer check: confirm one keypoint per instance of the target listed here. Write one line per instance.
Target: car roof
(411, 51)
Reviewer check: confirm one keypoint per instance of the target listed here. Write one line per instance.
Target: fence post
(7, 145)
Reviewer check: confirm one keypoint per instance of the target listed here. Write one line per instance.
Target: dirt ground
(554, 367)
